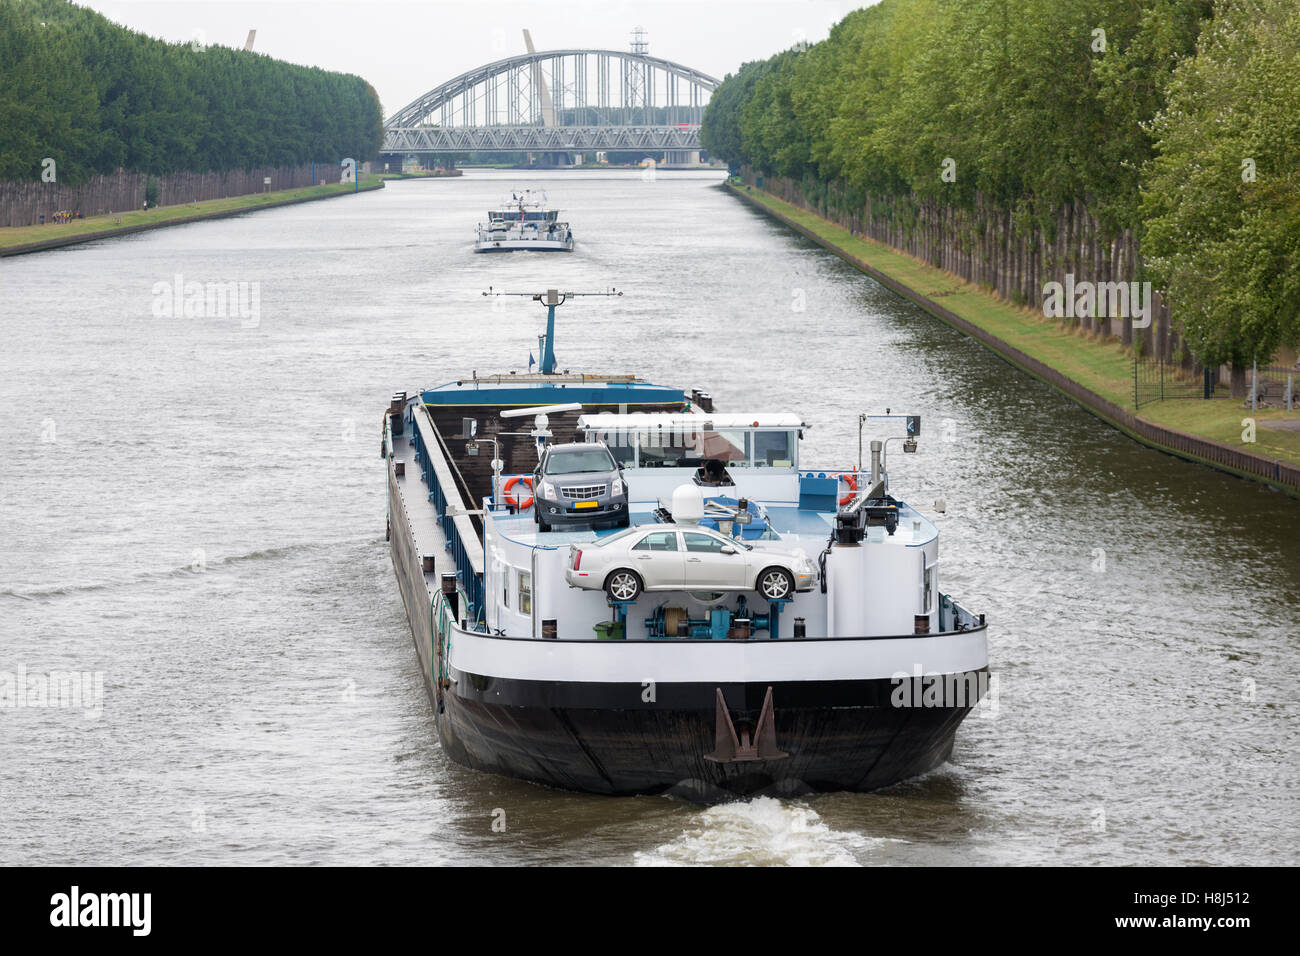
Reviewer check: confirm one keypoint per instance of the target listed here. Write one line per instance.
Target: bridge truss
(598, 99)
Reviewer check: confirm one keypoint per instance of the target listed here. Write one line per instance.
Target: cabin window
(664, 448)
(525, 593)
(620, 442)
(774, 449)
(927, 583)
(624, 454)
(505, 589)
(731, 446)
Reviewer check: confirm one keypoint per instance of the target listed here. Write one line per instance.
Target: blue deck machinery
(721, 623)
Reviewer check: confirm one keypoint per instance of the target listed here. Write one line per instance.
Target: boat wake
(760, 832)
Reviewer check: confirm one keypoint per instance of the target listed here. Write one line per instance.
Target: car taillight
(577, 560)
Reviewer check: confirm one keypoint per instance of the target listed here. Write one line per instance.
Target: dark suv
(579, 483)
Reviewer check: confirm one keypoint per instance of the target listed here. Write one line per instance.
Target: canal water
(192, 507)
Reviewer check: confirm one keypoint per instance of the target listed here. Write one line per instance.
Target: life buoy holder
(852, 480)
(511, 500)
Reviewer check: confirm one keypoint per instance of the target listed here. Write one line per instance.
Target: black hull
(837, 736)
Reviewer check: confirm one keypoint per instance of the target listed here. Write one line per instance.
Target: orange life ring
(510, 499)
(852, 479)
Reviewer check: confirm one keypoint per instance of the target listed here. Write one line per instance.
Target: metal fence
(1155, 380)
(1274, 386)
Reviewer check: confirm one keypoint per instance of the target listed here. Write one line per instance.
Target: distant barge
(523, 224)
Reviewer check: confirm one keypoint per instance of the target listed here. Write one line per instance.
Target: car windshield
(579, 461)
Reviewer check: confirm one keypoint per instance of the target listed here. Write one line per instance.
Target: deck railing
(462, 538)
(954, 617)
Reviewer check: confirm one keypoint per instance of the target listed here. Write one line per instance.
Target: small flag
(531, 361)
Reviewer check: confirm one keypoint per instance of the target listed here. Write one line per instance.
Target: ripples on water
(206, 528)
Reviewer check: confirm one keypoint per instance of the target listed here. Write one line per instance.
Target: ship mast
(552, 299)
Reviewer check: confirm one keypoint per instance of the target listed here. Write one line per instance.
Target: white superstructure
(523, 223)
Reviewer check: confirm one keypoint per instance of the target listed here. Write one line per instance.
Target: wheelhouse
(691, 440)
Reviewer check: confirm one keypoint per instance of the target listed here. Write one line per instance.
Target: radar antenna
(552, 299)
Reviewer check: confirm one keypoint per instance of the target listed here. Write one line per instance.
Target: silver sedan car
(675, 558)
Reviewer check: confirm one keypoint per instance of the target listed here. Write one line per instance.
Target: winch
(721, 623)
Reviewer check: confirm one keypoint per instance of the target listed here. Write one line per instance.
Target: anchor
(758, 743)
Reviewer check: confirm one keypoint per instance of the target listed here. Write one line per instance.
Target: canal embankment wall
(111, 228)
(1276, 473)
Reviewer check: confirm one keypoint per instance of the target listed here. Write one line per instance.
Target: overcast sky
(406, 48)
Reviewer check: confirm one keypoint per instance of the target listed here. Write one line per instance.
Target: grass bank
(16, 240)
(1101, 366)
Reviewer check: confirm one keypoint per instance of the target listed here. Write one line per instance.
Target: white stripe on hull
(671, 661)
(536, 245)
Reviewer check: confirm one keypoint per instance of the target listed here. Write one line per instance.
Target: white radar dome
(688, 504)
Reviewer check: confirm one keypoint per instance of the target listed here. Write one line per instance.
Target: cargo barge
(522, 224)
(749, 624)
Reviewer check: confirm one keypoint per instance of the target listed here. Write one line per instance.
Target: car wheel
(624, 522)
(541, 525)
(623, 585)
(775, 584)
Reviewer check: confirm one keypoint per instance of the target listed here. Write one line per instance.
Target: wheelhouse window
(774, 449)
(691, 449)
(662, 448)
(525, 592)
(658, 541)
(685, 445)
(620, 441)
(624, 452)
(731, 446)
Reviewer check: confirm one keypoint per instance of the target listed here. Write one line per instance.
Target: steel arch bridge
(558, 100)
